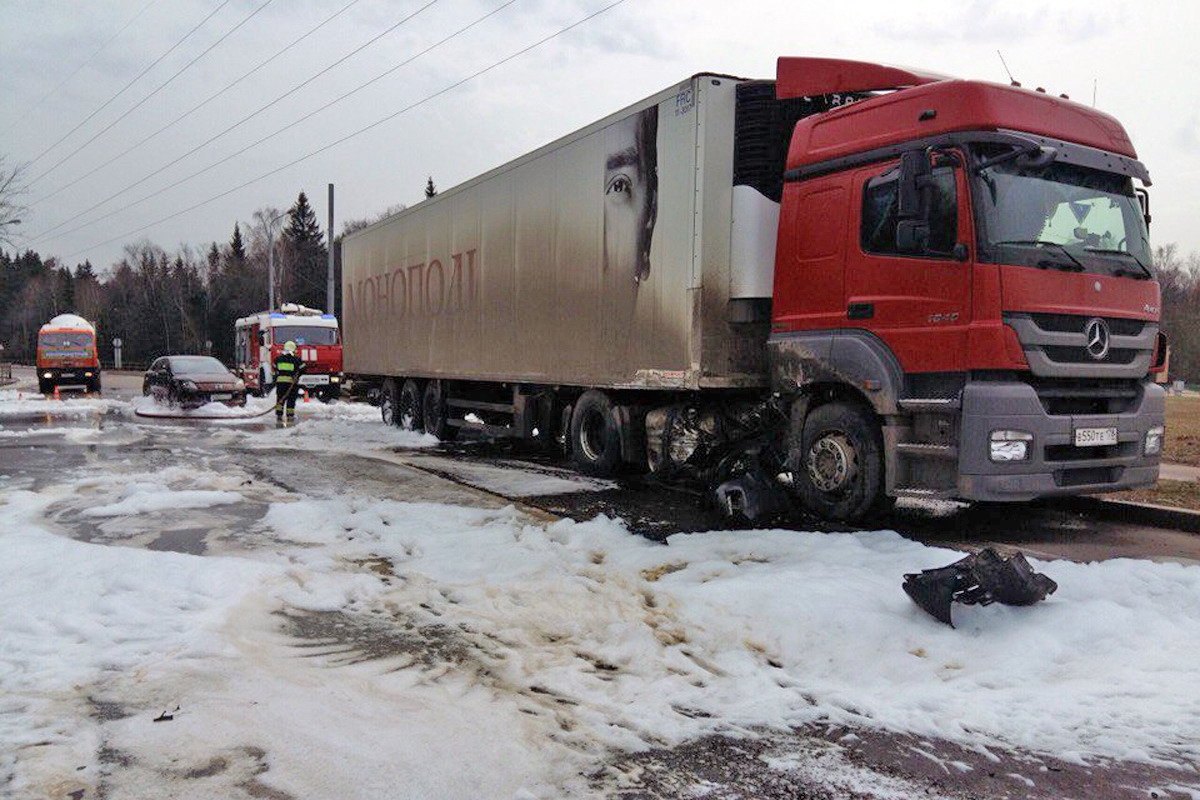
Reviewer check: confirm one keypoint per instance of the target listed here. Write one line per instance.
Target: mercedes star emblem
(1097, 335)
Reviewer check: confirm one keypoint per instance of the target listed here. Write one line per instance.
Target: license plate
(1095, 437)
(312, 380)
(222, 396)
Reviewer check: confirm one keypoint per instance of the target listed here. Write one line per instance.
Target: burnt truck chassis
(824, 447)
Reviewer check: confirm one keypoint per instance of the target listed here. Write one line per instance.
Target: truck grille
(1069, 396)
(1074, 323)
(1079, 355)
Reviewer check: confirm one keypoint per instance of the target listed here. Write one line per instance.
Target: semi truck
(66, 354)
(260, 338)
(848, 284)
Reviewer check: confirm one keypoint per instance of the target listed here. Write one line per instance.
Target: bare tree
(11, 188)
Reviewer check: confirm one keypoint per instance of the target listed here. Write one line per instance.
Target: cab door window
(880, 214)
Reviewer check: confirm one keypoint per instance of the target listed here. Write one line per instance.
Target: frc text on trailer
(851, 283)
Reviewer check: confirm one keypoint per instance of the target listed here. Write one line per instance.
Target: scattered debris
(979, 579)
(167, 716)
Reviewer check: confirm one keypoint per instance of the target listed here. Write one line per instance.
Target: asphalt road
(1042, 530)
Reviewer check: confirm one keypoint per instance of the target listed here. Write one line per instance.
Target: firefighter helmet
(289, 347)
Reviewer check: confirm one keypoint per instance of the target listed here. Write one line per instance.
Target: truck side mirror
(1143, 197)
(912, 190)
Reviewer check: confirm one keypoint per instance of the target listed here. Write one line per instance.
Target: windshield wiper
(1120, 273)
(1075, 266)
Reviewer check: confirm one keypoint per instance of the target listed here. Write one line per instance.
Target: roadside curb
(1158, 516)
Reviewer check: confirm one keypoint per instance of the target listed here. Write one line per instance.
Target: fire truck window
(878, 233)
(306, 334)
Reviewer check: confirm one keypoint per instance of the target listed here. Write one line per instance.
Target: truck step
(935, 405)
(918, 450)
(924, 494)
(479, 405)
(499, 431)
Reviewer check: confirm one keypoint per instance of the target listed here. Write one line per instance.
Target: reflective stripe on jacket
(287, 368)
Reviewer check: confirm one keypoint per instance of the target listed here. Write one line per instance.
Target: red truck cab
(970, 261)
(66, 354)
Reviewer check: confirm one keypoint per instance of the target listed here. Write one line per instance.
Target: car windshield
(70, 340)
(197, 365)
(1062, 216)
(305, 334)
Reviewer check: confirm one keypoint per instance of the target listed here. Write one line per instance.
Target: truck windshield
(305, 334)
(1061, 217)
(69, 340)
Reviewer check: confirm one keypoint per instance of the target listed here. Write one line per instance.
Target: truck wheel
(410, 407)
(44, 387)
(389, 403)
(95, 387)
(595, 436)
(434, 413)
(838, 467)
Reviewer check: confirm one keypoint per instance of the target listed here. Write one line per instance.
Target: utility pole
(329, 288)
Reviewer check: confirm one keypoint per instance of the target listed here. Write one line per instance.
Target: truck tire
(45, 387)
(595, 436)
(410, 408)
(389, 402)
(95, 385)
(434, 413)
(838, 466)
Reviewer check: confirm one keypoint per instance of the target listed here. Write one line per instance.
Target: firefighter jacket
(288, 368)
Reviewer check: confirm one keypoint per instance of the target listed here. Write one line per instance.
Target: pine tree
(236, 247)
(307, 256)
(430, 189)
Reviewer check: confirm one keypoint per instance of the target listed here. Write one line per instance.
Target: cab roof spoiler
(810, 77)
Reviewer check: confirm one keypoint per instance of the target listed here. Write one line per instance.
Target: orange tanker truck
(66, 354)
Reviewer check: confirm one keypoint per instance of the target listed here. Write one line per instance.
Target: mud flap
(979, 579)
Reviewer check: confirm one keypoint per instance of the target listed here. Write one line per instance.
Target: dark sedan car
(191, 381)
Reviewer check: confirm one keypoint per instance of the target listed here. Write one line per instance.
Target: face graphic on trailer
(631, 193)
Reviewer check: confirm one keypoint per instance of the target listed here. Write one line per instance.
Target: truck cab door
(916, 299)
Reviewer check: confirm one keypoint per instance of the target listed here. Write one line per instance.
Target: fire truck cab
(261, 337)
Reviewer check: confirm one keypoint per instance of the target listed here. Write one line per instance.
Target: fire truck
(849, 284)
(66, 354)
(261, 337)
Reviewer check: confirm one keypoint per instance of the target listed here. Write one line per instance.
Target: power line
(87, 61)
(124, 88)
(156, 90)
(358, 132)
(285, 128)
(237, 124)
(201, 104)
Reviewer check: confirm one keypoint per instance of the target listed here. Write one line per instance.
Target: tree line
(183, 302)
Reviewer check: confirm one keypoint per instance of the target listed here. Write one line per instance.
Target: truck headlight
(1154, 440)
(87, 374)
(47, 375)
(1009, 445)
(335, 378)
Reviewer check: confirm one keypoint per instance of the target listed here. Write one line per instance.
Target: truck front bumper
(1054, 465)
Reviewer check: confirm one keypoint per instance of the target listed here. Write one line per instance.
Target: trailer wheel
(389, 403)
(434, 412)
(839, 464)
(410, 418)
(595, 435)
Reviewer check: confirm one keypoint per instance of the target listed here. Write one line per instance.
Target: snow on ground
(462, 652)
(15, 404)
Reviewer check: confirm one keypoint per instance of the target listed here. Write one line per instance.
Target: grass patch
(1176, 494)
(1183, 431)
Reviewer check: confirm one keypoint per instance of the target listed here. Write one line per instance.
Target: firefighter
(288, 369)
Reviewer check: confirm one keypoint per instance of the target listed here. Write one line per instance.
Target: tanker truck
(848, 284)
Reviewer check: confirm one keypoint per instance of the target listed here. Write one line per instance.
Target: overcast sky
(1142, 56)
